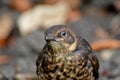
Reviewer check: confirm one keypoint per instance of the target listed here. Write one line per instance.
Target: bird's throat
(55, 48)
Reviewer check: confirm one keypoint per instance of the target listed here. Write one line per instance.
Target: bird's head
(62, 36)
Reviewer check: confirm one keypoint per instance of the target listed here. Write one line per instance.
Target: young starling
(66, 57)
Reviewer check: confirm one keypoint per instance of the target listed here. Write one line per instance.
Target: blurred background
(22, 26)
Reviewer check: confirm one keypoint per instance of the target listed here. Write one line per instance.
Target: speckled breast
(65, 67)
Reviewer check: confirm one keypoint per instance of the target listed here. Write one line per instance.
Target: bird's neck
(82, 44)
(55, 48)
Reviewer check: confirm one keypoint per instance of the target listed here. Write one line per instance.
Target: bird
(66, 56)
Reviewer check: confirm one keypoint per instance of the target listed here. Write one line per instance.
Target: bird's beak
(50, 38)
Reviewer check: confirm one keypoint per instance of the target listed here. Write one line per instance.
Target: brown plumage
(66, 57)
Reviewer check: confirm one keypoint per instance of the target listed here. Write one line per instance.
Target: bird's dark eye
(63, 33)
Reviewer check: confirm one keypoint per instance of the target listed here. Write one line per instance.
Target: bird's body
(66, 57)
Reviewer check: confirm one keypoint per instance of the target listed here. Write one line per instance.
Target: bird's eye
(63, 33)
